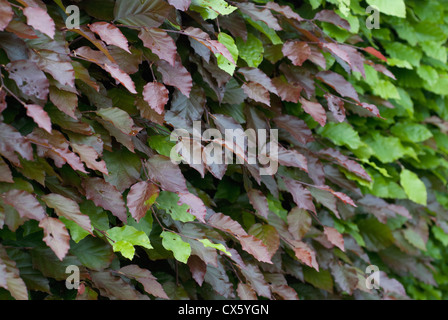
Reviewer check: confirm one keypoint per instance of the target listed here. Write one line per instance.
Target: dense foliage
(85, 175)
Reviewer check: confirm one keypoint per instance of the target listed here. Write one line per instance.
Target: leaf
(5, 172)
(334, 237)
(346, 163)
(284, 10)
(40, 20)
(185, 110)
(296, 127)
(414, 238)
(257, 280)
(287, 91)
(347, 54)
(169, 202)
(120, 119)
(121, 77)
(411, 132)
(315, 110)
(162, 170)
(336, 106)
(211, 9)
(125, 238)
(375, 53)
(414, 187)
(337, 82)
(156, 95)
(176, 76)
(110, 34)
(263, 15)
(250, 50)
(39, 115)
(173, 242)
(89, 156)
(180, 4)
(140, 198)
(259, 202)
(377, 236)
(6, 14)
(196, 205)
(291, 158)
(115, 288)
(257, 92)
(124, 168)
(332, 17)
(208, 244)
(65, 101)
(94, 253)
(304, 253)
(145, 13)
(258, 76)
(297, 51)
(268, 235)
(299, 223)
(345, 276)
(245, 292)
(160, 43)
(10, 276)
(227, 58)
(397, 8)
(106, 196)
(69, 209)
(302, 196)
(145, 277)
(342, 134)
(226, 224)
(29, 78)
(25, 203)
(56, 236)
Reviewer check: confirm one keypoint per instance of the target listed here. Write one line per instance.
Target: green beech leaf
(173, 242)
(223, 62)
(169, 202)
(211, 9)
(394, 8)
(125, 238)
(413, 186)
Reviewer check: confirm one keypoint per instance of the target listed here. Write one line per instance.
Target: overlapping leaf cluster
(86, 178)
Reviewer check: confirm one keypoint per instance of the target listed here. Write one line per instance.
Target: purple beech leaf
(106, 196)
(264, 15)
(6, 14)
(39, 115)
(25, 203)
(284, 10)
(156, 95)
(160, 43)
(334, 237)
(297, 51)
(332, 17)
(140, 198)
(110, 34)
(56, 236)
(67, 208)
(176, 76)
(315, 110)
(145, 277)
(39, 19)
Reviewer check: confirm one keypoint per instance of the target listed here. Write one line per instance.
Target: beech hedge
(92, 90)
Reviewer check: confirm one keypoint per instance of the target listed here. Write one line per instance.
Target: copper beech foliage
(86, 178)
